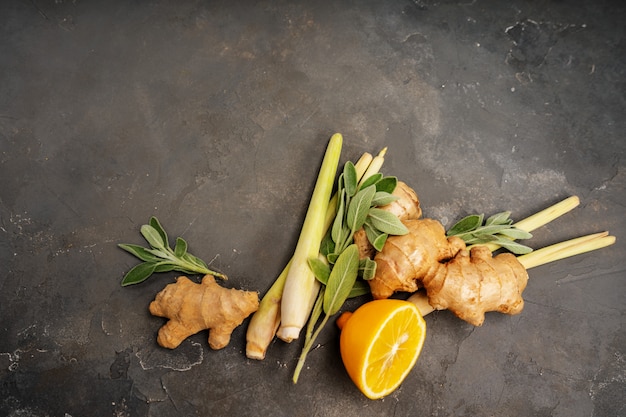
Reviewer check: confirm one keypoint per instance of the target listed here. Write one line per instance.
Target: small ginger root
(406, 207)
(473, 283)
(468, 283)
(192, 307)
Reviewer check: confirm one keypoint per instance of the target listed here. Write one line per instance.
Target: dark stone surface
(213, 116)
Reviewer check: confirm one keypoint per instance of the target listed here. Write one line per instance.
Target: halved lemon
(380, 343)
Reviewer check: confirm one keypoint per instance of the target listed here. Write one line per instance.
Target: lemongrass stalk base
(566, 249)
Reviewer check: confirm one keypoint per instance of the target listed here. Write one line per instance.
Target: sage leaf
(195, 261)
(165, 267)
(181, 247)
(515, 233)
(367, 268)
(336, 230)
(332, 257)
(139, 273)
(466, 224)
(341, 279)
(513, 246)
(371, 180)
(359, 288)
(350, 181)
(491, 230)
(154, 222)
(139, 252)
(153, 237)
(478, 238)
(386, 222)
(320, 269)
(387, 184)
(499, 218)
(328, 245)
(359, 207)
(382, 198)
(380, 241)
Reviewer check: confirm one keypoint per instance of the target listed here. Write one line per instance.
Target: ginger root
(468, 283)
(405, 260)
(192, 307)
(406, 207)
(473, 283)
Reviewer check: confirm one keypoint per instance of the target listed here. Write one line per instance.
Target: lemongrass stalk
(266, 320)
(301, 287)
(542, 217)
(566, 249)
(420, 299)
(375, 166)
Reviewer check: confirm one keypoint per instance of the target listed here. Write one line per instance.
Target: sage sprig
(358, 208)
(496, 229)
(160, 257)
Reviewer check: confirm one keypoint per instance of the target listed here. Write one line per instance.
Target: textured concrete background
(213, 116)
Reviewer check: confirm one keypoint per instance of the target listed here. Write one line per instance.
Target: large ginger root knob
(193, 307)
(405, 260)
(474, 282)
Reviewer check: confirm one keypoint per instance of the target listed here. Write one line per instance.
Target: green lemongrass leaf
(358, 289)
(499, 218)
(371, 180)
(140, 252)
(466, 224)
(367, 268)
(153, 237)
(359, 207)
(320, 269)
(386, 222)
(382, 198)
(139, 273)
(387, 184)
(181, 247)
(337, 227)
(341, 279)
(513, 246)
(515, 233)
(350, 180)
(154, 222)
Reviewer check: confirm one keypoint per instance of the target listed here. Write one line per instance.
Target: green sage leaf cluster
(497, 229)
(358, 207)
(160, 257)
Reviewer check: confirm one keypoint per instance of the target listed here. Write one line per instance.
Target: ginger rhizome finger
(192, 307)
